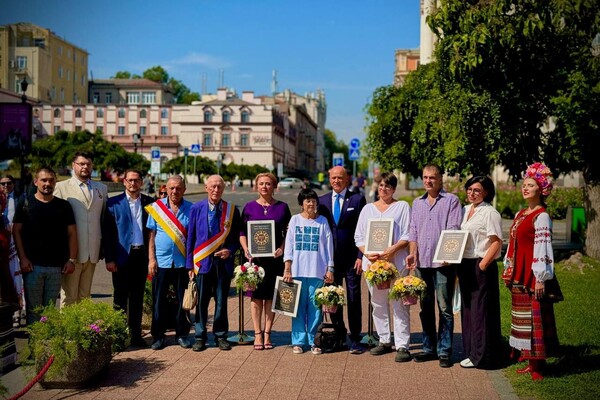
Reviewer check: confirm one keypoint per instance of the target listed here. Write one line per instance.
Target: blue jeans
(42, 286)
(440, 284)
(309, 316)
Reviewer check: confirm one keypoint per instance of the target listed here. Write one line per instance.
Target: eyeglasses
(162, 193)
(132, 181)
(6, 183)
(474, 191)
(83, 164)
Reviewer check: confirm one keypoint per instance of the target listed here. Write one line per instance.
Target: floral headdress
(542, 175)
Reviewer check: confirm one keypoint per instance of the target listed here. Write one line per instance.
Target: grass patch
(575, 374)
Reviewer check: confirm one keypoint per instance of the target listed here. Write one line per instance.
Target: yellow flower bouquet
(408, 289)
(330, 297)
(381, 273)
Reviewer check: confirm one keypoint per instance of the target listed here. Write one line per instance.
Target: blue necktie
(336, 209)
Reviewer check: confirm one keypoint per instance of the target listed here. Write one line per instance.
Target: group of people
(57, 234)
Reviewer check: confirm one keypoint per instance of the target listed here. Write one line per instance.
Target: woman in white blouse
(478, 276)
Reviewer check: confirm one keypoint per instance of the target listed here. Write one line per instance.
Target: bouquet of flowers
(381, 273)
(330, 297)
(408, 289)
(247, 276)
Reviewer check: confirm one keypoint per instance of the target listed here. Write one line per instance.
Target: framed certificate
(286, 297)
(379, 235)
(450, 247)
(261, 238)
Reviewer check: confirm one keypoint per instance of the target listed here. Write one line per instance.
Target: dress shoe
(402, 355)
(381, 348)
(158, 344)
(199, 345)
(445, 361)
(138, 342)
(356, 348)
(223, 344)
(184, 342)
(422, 357)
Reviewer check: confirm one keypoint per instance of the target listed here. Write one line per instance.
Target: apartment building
(129, 91)
(55, 69)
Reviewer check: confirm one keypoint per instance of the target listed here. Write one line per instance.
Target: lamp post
(24, 85)
(136, 138)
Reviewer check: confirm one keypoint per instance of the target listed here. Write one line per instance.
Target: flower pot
(249, 287)
(86, 365)
(329, 309)
(384, 285)
(409, 300)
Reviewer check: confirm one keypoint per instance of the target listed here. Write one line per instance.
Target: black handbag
(552, 292)
(331, 337)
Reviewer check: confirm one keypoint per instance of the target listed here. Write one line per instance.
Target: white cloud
(205, 60)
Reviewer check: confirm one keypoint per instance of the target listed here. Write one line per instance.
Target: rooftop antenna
(204, 77)
(274, 83)
(221, 77)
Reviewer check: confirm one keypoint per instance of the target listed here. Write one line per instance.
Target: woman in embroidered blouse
(478, 276)
(262, 209)
(528, 264)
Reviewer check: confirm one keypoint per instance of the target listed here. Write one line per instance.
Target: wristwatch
(330, 269)
(73, 260)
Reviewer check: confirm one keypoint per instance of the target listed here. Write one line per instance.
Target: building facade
(129, 91)
(55, 69)
(406, 61)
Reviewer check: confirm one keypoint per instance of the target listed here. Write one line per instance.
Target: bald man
(342, 207)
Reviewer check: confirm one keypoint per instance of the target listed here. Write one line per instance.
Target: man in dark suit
(213, 237)
(126, 251)
(342, 207)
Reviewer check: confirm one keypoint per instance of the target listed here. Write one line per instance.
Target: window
(121, 113)
(17, 85)
(244, 139)
(74, 77)
(82, 80)
(100, 128)
(78, 113)
(56, 129)
(133, 97)
(21, 62)
(59, 50)
(57, 113)
(100, 113)
(164, 113)
(226, 139)
(148, 98)
(207, 140)
(143, 113)
(68, 74)
(143, 130)
(96, 98)
(78, 128)
(245, 117)
(108, 98)
(53, 93)
(226, 116)
(62, 94)
(74, 57)
(164, 130)
(207, 116)
(60, 71)
(68, 53)
(121, 130)
(39, 43)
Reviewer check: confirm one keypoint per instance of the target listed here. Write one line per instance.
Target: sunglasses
(162, 193)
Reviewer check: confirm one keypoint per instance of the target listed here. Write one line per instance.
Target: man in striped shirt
(433, 212)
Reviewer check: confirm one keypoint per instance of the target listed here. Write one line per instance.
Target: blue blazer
(118, 228)
(345, 250)
(198, 234)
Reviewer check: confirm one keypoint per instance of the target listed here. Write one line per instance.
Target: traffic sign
(353, 154)
(195, 149)
(155, 153)
(338, 160)
(155, 167)
(186, 151)
(355, 143)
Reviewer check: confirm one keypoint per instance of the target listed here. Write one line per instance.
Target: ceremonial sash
(169, 223)
(211, 245)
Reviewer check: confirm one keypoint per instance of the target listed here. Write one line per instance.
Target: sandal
(315, 350)
(268, 345)
(258, 346)
(297, 350)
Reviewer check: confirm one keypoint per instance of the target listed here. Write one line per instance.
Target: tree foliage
(333, 145)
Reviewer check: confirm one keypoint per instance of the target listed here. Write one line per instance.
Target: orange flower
(374, 267)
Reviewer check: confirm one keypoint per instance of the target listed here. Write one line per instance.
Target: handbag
(190, 296)
(552, 292)
(331, 336)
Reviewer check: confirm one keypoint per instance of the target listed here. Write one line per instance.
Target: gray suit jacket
(88, 215)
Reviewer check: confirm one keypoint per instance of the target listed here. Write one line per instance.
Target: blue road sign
(338, 159)
(355, 143)
(185, 151)
(195, 149)
(155, 153)
(353, 154)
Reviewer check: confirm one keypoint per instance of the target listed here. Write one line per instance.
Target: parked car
(291, 183)
(319, 185)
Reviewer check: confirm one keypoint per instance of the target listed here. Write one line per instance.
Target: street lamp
(596, 45)
(24, 85)
(136, 138)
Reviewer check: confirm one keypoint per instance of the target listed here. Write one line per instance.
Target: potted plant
(408, 289)
(329, 298)
(80, 338)
(247, 276)
(381, 273)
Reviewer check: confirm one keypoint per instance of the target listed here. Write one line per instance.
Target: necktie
(336, 209)
(86, 191)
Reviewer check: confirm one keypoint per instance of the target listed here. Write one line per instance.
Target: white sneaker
(467, 363)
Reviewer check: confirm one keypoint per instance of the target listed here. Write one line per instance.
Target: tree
(503, 69)
(333, 145)
(125, 75)
(156, 74)
(204, 166)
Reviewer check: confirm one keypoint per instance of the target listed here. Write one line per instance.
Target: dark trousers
(354, 305)
(440, 286)
(214, 284)
(129, 282)
(480, 312)
(178, 277)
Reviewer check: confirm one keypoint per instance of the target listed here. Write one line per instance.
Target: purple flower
(95, 328)
(44, 319)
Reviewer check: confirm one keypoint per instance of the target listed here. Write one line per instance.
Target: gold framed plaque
(261, 238)
(450, 247)
(286, 297)
(379, 235)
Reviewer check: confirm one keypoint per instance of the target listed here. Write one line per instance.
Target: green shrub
(560, 200)
(509, 200)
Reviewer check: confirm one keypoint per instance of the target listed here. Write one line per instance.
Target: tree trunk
(592, 216)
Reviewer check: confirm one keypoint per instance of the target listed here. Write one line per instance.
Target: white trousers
(381, 318)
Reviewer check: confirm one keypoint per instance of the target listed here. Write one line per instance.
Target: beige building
(406, 61)
(55, 69)
(129, 91)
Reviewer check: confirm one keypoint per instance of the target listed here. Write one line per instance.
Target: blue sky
(345, 47)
